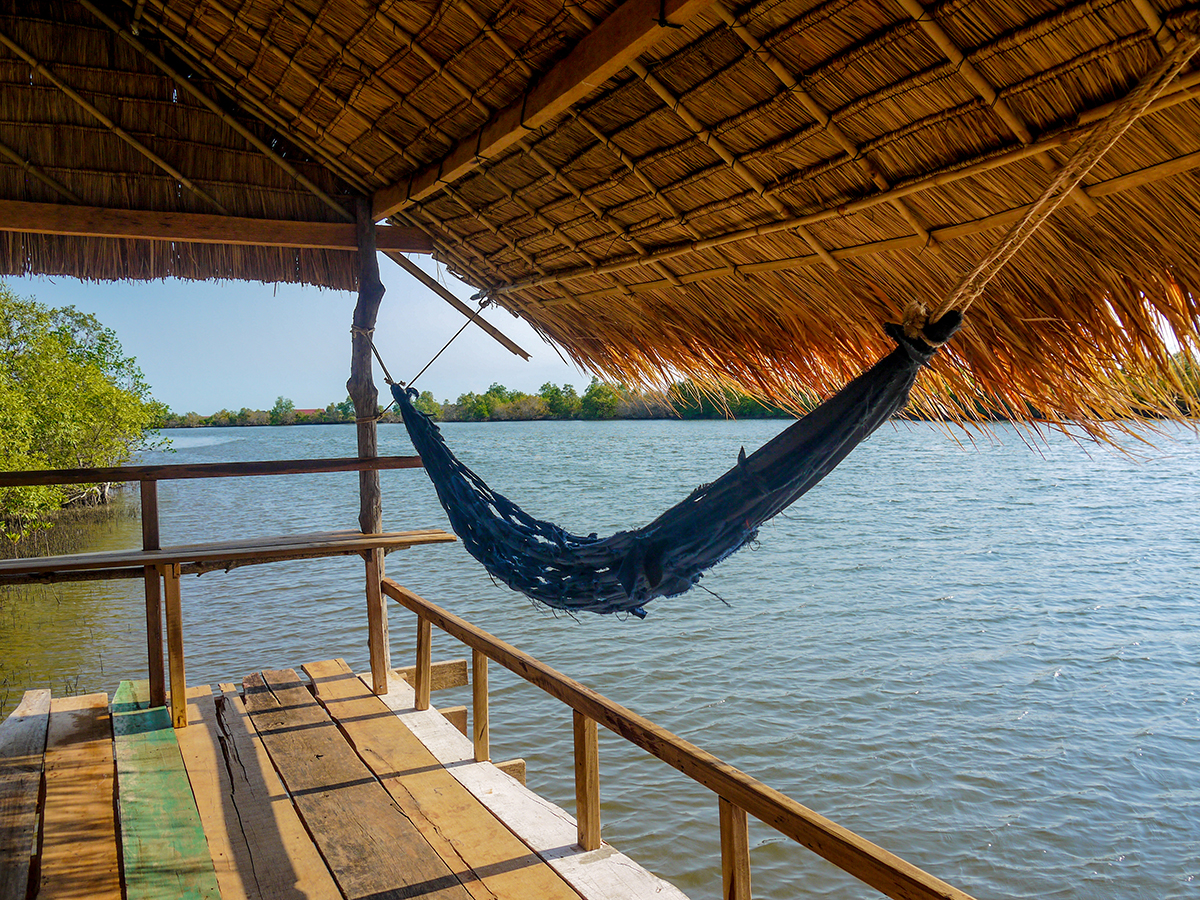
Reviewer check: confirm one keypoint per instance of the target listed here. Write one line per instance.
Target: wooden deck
(288, 786)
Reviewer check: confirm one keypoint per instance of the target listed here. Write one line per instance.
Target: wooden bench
(170, 563)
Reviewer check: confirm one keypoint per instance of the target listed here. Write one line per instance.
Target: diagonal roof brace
(628, 31)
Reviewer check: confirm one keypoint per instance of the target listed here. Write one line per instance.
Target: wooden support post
(179, 716)
(361, 387)
(587, 782)
(377, 623)
(479, 706)
(735, 852)
(148, 488)
(424, 673)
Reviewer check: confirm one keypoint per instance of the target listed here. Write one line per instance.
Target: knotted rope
(1098, 142)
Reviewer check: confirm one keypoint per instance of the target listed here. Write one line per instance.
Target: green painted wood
(22, 751)
(165, 854)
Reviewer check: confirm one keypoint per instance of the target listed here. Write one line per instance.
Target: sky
(205, 346)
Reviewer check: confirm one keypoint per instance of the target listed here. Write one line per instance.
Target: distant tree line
(601, 400)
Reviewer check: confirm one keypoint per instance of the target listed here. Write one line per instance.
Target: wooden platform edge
(603, 874)
(22, 754)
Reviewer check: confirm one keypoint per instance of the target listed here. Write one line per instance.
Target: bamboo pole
(34, 172)
(108, 123)
(208, 103)
(1099, 190)
(819, 113)
(948, 175)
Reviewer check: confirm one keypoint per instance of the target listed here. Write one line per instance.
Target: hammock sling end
(623, 572)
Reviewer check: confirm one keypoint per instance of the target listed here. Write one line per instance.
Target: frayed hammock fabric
(623, 572)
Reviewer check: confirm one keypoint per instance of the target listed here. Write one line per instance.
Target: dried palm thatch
(747, 200)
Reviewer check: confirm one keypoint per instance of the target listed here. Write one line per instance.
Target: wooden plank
(258, 846)
(513, 768)
(29, 477)
(587, 781)
(457, 716)
(735, 851)
(22, 746)
(79, 830)
(237, 552)
(286, 860)
(449, 673)
(174, 609)
(884, 871)
(492, 863)
(164, 852)
(627, 32)
(370, 846)
(604, 874)
(199, 228)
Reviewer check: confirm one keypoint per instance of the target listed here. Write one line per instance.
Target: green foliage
(283, 412)
(426, 404)
(69, 398)
(599, 401)
(561, 402)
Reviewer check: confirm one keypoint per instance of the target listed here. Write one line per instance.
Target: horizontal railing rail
(32, 477)
(740, 793)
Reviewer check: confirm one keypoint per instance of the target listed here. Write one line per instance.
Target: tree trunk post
(361, 387)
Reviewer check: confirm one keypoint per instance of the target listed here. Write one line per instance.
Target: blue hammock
(623, 572)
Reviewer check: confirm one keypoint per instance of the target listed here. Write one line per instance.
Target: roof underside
(748, 198)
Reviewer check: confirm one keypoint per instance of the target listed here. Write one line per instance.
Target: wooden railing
(167, 574)
(739, 795)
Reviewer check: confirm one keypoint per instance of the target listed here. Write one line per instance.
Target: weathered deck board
(22, 746)
(79, 830)
(492, 863)
(259, 847)
(372, 849)
(604, 874)
(165, 854)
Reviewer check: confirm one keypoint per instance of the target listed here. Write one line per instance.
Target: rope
(482, 304)
(1093, 148)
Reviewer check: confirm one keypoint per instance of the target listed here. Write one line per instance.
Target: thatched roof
(746, 197)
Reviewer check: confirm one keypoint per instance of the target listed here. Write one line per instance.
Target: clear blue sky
(205, 346)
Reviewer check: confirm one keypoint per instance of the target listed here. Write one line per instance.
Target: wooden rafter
(606, 50)
(198, 228)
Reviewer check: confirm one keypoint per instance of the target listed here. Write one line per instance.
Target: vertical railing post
(424, 673)
(479, 706)
(148, 490)
(175, 645)
(735, 852)
(378, 642)
(587, 781)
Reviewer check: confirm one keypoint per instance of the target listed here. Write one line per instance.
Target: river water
(982, 656)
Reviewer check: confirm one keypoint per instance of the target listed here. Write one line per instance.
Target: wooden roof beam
(628, 31)
(199, 228)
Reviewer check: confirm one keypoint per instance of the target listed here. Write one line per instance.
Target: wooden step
(487, 857)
